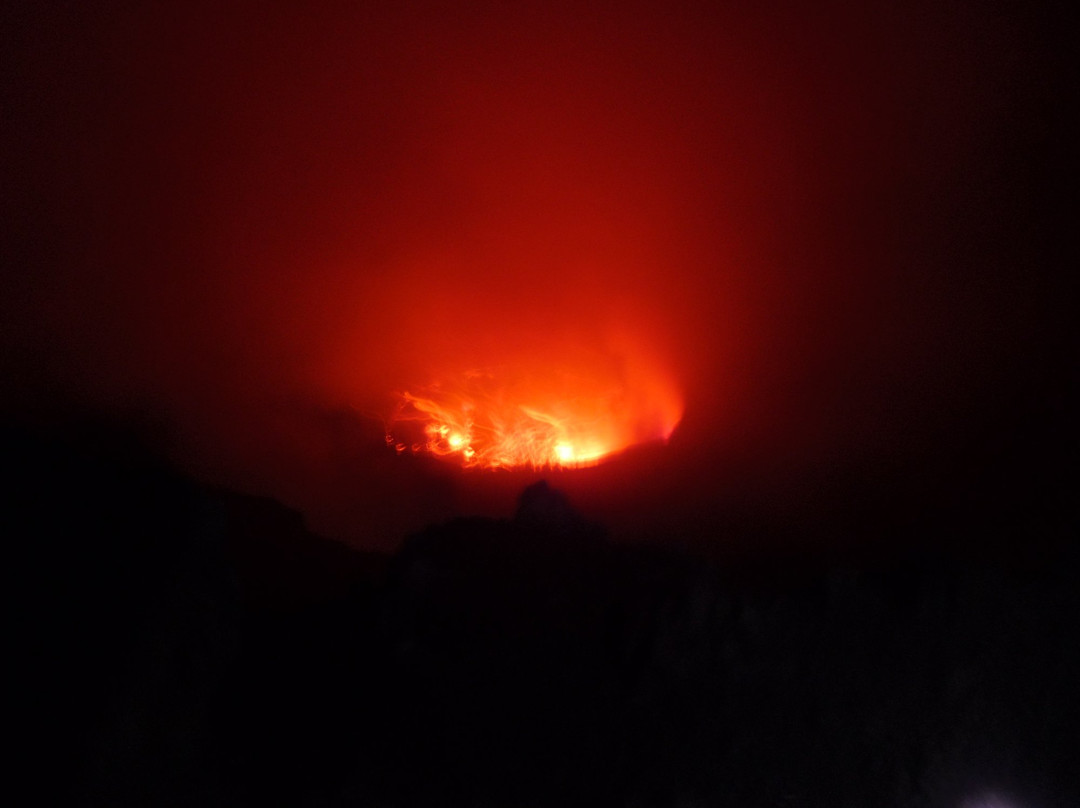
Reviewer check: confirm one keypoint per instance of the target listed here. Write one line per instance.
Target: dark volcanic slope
(183, 646)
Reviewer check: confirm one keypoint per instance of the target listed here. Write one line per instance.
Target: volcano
(300, 306)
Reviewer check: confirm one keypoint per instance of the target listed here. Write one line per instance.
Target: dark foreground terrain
(179, 645)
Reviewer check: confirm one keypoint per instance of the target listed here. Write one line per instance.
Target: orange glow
(502, 419)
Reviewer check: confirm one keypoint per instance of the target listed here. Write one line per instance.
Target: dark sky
(838, 226)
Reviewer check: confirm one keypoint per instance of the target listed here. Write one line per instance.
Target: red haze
(258, 223)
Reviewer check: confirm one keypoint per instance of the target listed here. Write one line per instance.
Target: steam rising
(562, 415)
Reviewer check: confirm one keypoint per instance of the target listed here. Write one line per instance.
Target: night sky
(231, 233)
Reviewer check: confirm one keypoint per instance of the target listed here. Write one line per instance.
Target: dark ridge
(280, 564)
(180, 645)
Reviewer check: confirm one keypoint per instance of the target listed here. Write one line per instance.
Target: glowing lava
(506, 420)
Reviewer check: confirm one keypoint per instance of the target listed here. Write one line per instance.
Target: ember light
(506, 419)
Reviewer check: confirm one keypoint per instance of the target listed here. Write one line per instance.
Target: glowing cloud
(536, 418)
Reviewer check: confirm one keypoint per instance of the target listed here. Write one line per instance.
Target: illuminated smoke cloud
(535, 416)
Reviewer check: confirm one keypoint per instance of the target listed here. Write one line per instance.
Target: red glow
(256, 222)
(501, 419)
